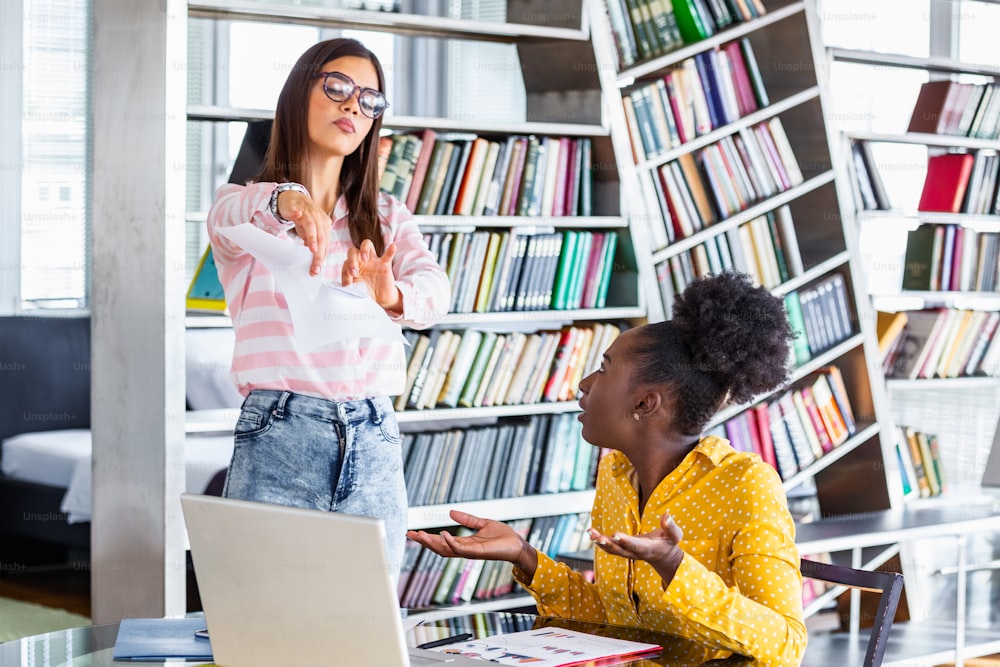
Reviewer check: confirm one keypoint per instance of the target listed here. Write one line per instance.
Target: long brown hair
(286, 151)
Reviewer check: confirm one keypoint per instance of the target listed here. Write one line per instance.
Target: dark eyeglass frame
(361, 91)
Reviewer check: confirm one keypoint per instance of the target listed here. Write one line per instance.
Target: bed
(45, 442)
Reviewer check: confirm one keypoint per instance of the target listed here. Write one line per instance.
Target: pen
(447, 640)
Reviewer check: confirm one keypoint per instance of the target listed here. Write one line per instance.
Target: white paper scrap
(321, 312)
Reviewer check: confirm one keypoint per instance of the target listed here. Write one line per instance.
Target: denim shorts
(315, 453)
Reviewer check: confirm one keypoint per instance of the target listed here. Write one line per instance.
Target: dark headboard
(44, 373)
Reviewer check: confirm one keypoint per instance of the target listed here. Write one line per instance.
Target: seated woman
(693, 538)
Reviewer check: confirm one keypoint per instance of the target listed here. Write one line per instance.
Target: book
(801, 444)
(434, 180)
(796, 319)
(809, 423)
(826, 441)
(548, 646)
(930, 466)
(428, 141)
(889, 327)
(930, 111)
(829, 411)
(460, 370)
(445, 204)
(159, 639)
(946, 182)
(468, 188)
(783, 452)
(923, 485)
(839, 388)
(690, 22)
(918, 259)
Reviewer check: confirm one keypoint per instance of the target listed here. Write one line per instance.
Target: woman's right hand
(492, 541)
(312, 224)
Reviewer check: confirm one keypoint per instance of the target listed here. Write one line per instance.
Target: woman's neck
(652, 465)
(324, 183)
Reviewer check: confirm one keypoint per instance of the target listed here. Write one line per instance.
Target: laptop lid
(288, 586)
(991, 475)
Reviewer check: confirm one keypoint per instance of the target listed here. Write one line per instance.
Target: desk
(93, 646)
(915, 642)
(853, 533)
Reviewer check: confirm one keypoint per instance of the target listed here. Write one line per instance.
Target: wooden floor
(58, 587)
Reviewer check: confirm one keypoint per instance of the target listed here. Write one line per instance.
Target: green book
(919, 259)
(644, 44)
(580, 257)
(607, 269)
(564, 277)
(465, 356)
(666, 24)
(477, 369)
(753, 70)
(689, 21)
(800, 345)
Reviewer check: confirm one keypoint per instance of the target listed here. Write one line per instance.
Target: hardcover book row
(466, 174)
(958, 109)
(765, 248)
(517, 457)
(714, 183)
(951, 258)
(798, 427)
(955, 182)
(941, 343)
(498, 271)
(428, 579)
(962, 183)
(476, 368)
(644, 29)
(702, 93)
(820, 316)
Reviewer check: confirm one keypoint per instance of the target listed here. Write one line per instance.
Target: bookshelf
(793, 231)
(780, 221)
(889, 150)
(563, 104)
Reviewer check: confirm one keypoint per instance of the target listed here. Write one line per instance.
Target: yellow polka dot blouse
(738, 588)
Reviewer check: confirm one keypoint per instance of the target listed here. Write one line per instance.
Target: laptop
(991, 474)
(287, 586)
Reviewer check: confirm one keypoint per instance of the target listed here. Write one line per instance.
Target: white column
(137, 297)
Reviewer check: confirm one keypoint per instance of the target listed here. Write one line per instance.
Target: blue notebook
(158, 639)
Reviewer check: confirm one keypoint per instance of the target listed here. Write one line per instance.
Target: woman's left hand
(364, 265)
(659, 547)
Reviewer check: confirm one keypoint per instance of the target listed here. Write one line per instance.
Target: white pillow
(209, 357)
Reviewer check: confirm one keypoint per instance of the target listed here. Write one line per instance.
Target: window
(46, 90)
(228, 68)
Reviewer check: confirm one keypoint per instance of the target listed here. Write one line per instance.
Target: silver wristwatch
(277, 191)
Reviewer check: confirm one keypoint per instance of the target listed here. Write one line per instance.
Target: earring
(635, 416)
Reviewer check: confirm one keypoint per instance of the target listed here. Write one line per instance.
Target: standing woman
(317, 427)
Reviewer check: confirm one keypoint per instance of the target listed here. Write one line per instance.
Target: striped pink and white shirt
(265, 356)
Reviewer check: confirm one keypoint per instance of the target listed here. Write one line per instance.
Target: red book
(764, 432)
(946, 181)
(427, 138)
(752, 431)
(825, 442)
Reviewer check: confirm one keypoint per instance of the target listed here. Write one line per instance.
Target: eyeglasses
(340, 88)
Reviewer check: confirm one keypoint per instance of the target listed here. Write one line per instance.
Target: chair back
(888, 584)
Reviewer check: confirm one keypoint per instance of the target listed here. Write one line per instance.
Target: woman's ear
(648, 404)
